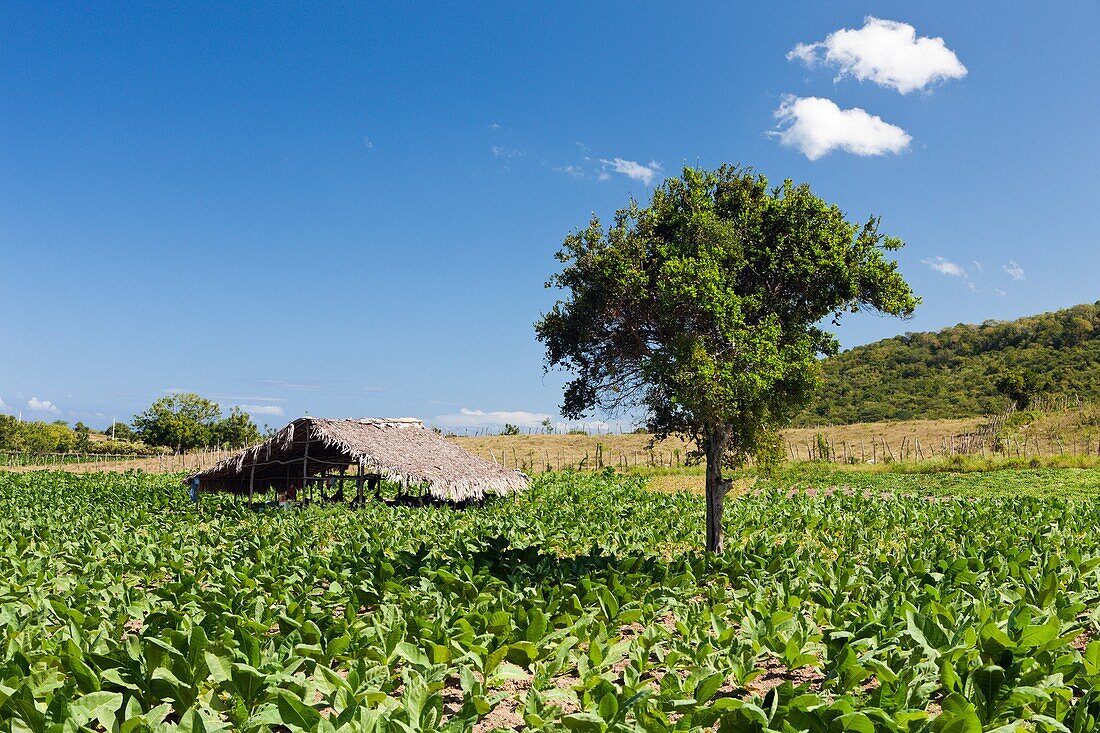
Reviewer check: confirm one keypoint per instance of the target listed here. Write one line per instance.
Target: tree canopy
(185, 421)
(703, 311)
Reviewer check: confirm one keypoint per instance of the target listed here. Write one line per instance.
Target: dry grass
(536, 452)
(695, 483)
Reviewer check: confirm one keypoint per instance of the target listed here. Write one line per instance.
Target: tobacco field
(585, 604)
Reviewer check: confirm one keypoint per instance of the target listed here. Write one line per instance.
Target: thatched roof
(400, 449)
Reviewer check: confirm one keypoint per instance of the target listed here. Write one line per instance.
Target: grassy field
(865, 441)
(846, 600)
(1045, 435)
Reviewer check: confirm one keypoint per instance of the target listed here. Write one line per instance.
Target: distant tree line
(58, 437)
(179, 422)
(963, 371)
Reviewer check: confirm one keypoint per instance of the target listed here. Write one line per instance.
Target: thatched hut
(321, 453)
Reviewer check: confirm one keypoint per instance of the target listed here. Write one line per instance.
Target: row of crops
(583, 605)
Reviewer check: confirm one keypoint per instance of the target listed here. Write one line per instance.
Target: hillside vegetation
(954, 373)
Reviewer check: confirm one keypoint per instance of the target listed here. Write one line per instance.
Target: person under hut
(338, 496)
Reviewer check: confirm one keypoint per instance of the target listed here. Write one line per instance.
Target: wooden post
(251, 483)
(305, 463)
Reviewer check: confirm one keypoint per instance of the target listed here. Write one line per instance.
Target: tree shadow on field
(534, 565)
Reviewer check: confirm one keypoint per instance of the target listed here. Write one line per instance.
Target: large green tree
(186, 420)
(704, 310)
(181, 421)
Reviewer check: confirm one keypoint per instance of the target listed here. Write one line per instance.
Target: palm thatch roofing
(399, 449)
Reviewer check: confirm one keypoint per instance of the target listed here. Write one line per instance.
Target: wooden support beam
(305, 463)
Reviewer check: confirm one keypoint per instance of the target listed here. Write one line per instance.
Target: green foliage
(1020, 385)
(56, 437)
(703, 310)
(703, 307)
(958, 476)
(35, 437)
(122, 448)
(235, 431)
(962, 371)
(579, 605)
(510, 429)
(82, 442)
(185, 421)
(41, 437)
(122, 432)
(182, 421)
(771, 455)
(9, 433)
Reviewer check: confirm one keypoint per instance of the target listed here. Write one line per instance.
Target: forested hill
(955, 372)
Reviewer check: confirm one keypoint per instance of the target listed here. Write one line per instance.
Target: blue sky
(351, 210)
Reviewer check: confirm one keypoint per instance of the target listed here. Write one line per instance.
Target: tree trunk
(717, 487)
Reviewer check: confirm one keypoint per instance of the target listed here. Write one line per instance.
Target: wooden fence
(160, 463)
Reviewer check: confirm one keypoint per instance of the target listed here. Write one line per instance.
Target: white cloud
(804, 52)
(817, 126)
(945, 266)
(887, 52)
(481, 418)
(494, 125)
(501, 152)
(3, 405)
(632, 169)
(276, 410)
(570, 170)
(368, 143)
(1014, 271)
(43, 406)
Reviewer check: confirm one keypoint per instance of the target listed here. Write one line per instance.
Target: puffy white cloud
(481, 418)
(817, 126)
(1014, 271)
(631, 169)
(43, 406)
(886, 52)
(276, 410)
(945, 266)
